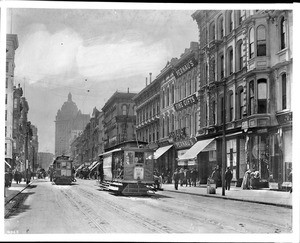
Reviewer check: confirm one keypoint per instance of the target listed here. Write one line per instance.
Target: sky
(100, 50)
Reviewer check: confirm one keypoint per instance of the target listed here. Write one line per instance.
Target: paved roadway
(82, 208)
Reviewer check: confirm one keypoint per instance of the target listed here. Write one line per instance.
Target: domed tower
(68, 119)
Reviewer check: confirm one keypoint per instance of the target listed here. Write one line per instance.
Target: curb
(234, 199)
(18, 193)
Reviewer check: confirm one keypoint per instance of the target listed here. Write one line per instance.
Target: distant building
(11, 46)
(44, 159)
(34, 148)
(119, 119)
(68, 120)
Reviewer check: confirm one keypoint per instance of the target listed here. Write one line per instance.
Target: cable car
(127, 171)
(62, 170)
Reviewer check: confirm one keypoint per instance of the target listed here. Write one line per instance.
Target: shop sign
(185, 67)
(188, 101)
(185, 143)
(178, 134)
(284, 118)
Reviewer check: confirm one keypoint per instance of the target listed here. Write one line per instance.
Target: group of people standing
(189, 177)
(185, 176)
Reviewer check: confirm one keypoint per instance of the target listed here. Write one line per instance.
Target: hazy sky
(74, 50)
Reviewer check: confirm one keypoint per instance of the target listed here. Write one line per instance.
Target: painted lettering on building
(185, 143)
(185, 68)
(188, 101)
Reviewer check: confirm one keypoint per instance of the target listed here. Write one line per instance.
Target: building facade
(11, 46)
(68, 120)
(44, 160)
(119, 117)
(245, 68)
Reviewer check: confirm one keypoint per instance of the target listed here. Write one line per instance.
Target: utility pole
(26, 151)
(224, 139)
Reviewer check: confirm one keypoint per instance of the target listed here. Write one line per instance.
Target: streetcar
(62, 170)
(127, 171)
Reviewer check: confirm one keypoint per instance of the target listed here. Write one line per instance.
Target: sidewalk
(263, 196)
(15, 189)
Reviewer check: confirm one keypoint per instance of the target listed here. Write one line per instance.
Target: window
(172, 122)
(195, 122)
(240, 103)
(241, 14)
(167, 92)
(239, 55)
(163, 99)
(124, 110)
(262, 95)
(213, 70)
(214, 112)
(221, 27)
(282, 33)
(195, 79)
(5, 131)
(5, 148)
(283, 91)
(251, 97)
(212, 31)
(190, 86)
(230, 59)
(251, 43)
(231, 106)
(222, 66)
(230, 21)
(163, 127)
(172, 94)
(6, 83)
(167, 125)
(7, 67)
(222, 110)
(261, 41)
(5, 115)
(5, 98)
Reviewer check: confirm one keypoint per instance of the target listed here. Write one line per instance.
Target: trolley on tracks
(62, 170)
(127, 171)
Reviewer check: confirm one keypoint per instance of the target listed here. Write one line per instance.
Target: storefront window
(231, 156)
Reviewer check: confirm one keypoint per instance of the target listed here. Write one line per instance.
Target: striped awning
(160, 151)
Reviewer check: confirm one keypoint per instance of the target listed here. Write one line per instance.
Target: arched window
(251, 43)
(124, 110)
(262, 96)
(163, 99)
(167, 97)
(251, 97)
(283, 92)
(261, 41)
(282, 33)
(213, 70)
(241, 14)
(172, 94)
(167, 126)
(163, 128)
(222, 109)
(214, 112)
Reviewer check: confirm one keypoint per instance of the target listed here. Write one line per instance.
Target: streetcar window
(63, 165)
(148, 157)
(58, 165)
(128, 156)
(139, 157)
(68, 165)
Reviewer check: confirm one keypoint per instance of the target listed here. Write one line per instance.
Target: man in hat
(228, 178)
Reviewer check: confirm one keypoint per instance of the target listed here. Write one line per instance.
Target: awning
(7, 164)
(92, 165)
(160, 151)
(196, 149)
(80, 167)
(111, 151)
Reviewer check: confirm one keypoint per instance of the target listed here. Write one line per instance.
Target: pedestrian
(176, 178)
(101, 171)
(228, 178)
(187, 177)
(216, 176)
(181, 176)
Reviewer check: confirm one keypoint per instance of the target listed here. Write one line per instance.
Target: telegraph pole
(224, 139)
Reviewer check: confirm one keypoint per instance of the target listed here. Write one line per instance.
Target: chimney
(146, 81)
(150, 77)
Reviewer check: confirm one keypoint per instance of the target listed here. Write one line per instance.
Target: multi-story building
(11, 46)
(245, 67)
(119, 117)
(100, 133)
(17, 132)
(68, 120)
(33, 148)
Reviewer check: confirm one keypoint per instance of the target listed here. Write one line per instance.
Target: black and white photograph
(149, 122)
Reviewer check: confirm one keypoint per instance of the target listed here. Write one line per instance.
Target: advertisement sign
(188, 101)
(191, 63)
(138, 173)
